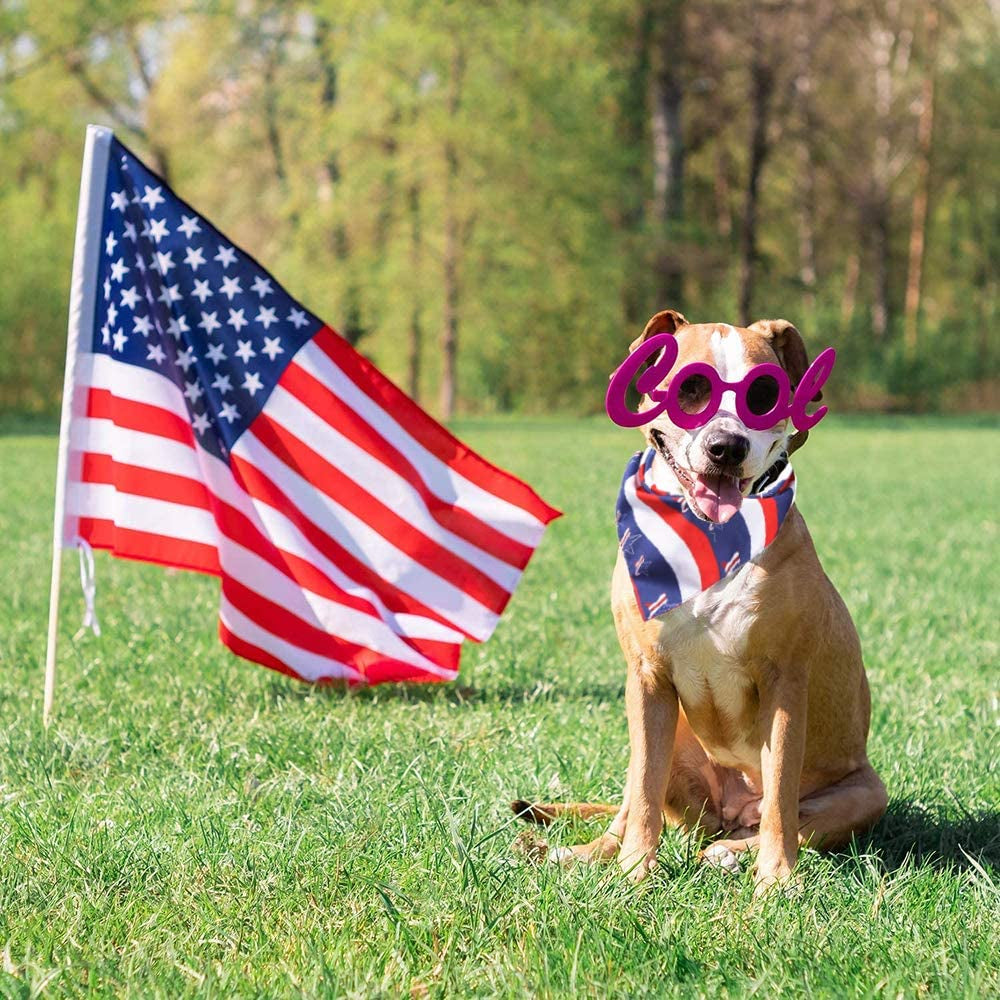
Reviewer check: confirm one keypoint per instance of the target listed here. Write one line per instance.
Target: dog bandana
(672, 554)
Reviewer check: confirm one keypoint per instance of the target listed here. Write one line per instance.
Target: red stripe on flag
(144, 482)
(138, 416)
(379, 672)
(306, 635)
(428, 432)
(261, 488)
(148, 546)
(697, 544)
(318, 398)
(236, 526)
(344, 491)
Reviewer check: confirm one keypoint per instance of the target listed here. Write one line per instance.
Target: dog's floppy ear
(667, 321)
(787, 344)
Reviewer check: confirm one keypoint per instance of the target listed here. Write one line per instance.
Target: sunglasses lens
(694, 393)
(762, 395)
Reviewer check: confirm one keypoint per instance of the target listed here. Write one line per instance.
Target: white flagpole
(82, 299)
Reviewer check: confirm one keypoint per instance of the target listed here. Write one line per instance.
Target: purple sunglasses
(763, 396)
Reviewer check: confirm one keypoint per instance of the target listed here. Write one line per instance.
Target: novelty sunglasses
(764, 396)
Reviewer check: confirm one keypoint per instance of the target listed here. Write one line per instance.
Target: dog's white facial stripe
(728, 354)
(729, 360)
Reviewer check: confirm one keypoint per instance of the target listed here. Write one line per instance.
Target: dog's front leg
(651, 707)
(783, 705)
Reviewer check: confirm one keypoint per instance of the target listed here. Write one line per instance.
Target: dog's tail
(544, 813)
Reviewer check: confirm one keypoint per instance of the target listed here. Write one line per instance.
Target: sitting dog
(747, 703)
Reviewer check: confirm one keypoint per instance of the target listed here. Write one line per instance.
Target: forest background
(490, 198)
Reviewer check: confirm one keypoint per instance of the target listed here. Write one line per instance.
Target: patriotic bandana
(672, 554)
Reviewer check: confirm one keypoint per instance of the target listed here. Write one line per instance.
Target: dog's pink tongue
(718, 497)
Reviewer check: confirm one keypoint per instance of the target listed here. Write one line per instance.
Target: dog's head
(717, 464)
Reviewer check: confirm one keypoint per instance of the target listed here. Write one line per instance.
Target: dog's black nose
(728, 449)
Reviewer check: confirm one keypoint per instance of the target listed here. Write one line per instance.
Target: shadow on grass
(912, 832)
(456, 694)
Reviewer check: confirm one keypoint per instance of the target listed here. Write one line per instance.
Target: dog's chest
(706, 641)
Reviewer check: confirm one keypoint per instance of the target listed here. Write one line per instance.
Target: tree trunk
(851, 271)
(416, 330)
(918, 226)
(666, 100)
(761, 87)
(452, 249)
(807, 172)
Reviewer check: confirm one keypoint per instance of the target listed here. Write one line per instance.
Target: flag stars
(230, 287)
(202, 292)
(177, 327)
(229, 412)
(155, 353)
(107, 289)
(201, 423)
(119, 270)
(209, 322)
(119, 201)
(169, 294)
(112, 314)
(272, 347)
(225, 256)
(194, 257)
(120, 338)
(158, 229)
(245, 351)
(185, 360)
(252, 383)
(237, 320)
(130, 298)
(143, 325)
(189, 226)
(222, 384)
(193, 390)
(105, 335)
(216, 354)
(266, 317)
(297, 318)
(152, 197)
(164, 261)
(130, 233)
(110, 243)
(262, 286)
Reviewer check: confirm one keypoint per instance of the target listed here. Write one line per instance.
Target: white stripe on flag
(392, 490)
(440, 478)
(311, 666)
(337, 620)
(367, 545)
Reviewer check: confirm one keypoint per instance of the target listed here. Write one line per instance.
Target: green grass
(195, 825)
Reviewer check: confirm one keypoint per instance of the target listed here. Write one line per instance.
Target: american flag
(217, 425)
(671, 554)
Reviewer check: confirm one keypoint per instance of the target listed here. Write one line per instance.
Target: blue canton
(178, 298)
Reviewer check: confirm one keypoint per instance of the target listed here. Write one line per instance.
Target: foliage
(512, 172)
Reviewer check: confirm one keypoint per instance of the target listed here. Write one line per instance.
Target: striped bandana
(672, 554)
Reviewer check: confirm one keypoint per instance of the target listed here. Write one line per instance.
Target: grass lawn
(196, 825)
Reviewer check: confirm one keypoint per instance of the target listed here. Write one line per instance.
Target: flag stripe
(148, 546)
(383, 557)
(267, 496)
(402, 516)
(485, 490)
(398, 474)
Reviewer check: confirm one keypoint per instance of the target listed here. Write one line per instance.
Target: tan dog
(748, 705)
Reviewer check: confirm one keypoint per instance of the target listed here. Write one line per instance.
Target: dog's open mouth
(713, 496)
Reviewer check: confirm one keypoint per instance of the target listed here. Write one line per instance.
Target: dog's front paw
(637, 861)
